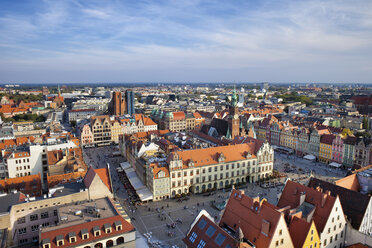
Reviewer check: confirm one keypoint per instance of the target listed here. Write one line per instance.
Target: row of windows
(18, 161)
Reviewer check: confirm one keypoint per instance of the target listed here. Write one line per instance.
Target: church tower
(234, 116)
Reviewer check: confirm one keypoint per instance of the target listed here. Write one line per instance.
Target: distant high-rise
(129, 97)
(117, 104)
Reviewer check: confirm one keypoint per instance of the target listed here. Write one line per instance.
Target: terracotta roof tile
(291, 197)
(348, 198)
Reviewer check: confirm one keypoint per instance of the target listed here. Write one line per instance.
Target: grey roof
(84, 231)
(96, 228)
(8, 200)
(69, 188)
(71, 234)
(59, 237)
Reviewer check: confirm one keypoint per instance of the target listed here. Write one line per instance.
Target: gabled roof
(103, 175)
(249, 214)
(299, 229)
(322, 202)
(350, 182)
(354, 204)
(327, 139)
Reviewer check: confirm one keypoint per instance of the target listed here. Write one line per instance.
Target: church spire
(59, 91)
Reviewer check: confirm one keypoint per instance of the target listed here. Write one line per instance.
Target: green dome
(169, 115)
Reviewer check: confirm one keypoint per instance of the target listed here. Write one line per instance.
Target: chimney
(302, 197)
(265, 227)
(324, 198)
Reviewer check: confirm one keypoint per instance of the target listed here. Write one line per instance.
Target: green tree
(365, 123)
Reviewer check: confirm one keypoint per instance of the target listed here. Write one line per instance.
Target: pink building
(86, 135)
(337, 149)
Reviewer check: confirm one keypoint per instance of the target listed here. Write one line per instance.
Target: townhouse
(322, 207)
(325, 148)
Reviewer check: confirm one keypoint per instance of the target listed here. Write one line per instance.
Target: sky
(74, 41)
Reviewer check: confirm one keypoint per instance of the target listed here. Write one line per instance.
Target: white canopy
(142, 191)
(145, 194)
(334, 164)
(309, 157)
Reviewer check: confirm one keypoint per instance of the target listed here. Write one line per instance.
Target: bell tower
(234, 116)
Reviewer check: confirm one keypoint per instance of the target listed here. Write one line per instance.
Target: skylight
(210, 231)
(202, 224)
(220, 239)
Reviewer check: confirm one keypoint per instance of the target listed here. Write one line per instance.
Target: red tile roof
(323, 202)
(105, 177)
(249, 214)
(350, 182)
(126, 227)
(327, 139)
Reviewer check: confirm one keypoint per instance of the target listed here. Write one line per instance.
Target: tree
(346, 132)
(365, 123)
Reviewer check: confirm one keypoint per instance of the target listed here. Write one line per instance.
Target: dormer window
(60, 240)
(107, 228)
(96, 231)
(72, 237)
(84, 234)
(118, 226)
(221, 158)
(45, 243)
(248, 155)
(191, 163)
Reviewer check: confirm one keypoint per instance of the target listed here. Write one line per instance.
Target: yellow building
(325, 148)
(304, 234)
(116, 130)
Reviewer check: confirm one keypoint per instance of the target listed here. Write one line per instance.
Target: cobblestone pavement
(153, 217)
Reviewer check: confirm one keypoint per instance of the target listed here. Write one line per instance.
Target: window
(35, 228)
(281, 241)
(22, 230)
(277, 243)
(45, 224)
(55, 212)
(21, 220)
(280, 232)
(185, 173)
(201, 244)
(210, 231)
(33, 217)
(325, 242)
(330, 240)
(193, 237)
(44, 215)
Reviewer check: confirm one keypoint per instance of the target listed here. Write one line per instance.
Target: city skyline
(287, 41)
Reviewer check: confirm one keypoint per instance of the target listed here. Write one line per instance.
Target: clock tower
(234, 119)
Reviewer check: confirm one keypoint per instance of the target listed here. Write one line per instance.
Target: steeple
(59, 91)
(234, 98)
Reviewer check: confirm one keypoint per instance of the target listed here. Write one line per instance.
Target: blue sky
(185, 41)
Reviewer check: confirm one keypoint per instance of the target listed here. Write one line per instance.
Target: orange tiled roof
(104, 175)
(299, 229)
(179, 115)
(64, 178)
(350, 182)
(209, 156)
(156, 169)
(28, 184)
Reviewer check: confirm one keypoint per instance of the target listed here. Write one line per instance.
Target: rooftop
(74, 214)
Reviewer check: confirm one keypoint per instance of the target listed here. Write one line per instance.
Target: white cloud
(279, 43)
